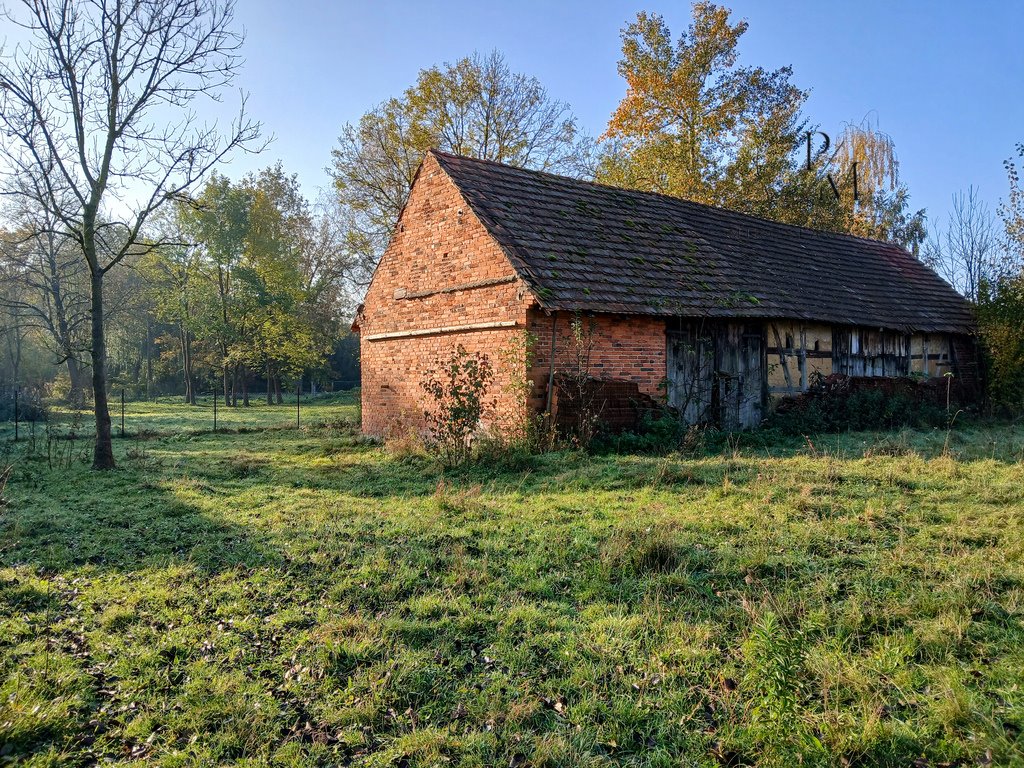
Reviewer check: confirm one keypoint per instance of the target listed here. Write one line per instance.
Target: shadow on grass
(63, 519)
(136, 518)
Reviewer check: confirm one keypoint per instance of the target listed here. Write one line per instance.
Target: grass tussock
(304, 597)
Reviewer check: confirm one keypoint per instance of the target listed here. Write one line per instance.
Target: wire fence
(24, 417)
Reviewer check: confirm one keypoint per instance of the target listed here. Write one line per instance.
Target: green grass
(170, 416)
(293, 597)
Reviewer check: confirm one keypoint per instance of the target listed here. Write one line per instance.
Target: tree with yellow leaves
(696, 124)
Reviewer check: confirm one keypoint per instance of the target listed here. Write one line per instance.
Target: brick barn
(716, 311)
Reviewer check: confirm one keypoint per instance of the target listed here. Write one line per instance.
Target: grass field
(300, 597)
(169, 416)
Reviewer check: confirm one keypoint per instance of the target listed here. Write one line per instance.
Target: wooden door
(716, 373)
(690, 371)
(741, 379)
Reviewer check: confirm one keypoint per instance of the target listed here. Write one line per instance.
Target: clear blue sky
(945, 79)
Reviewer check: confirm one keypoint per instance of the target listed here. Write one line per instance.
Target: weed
(773, 683)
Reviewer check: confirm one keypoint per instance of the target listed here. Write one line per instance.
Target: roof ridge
(670, 198)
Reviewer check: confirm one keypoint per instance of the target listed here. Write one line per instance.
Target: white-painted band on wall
(442, 329)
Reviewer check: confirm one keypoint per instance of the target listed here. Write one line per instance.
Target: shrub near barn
(458, 403)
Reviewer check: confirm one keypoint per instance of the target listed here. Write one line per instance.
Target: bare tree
(50, 287)
(99, 107)
(330, 270)
(966, 252)
(52, 296)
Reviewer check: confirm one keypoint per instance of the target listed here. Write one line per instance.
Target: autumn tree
(1011, 212)
(693, 122)
(856, 188)
(329, 274)
(253, 280)
(477, 107)
(696, 124)
(218, 221)
(1001, 301)
(99, 103)
(183, 294)
(269, 281)
(300, 271)
(1001, 324)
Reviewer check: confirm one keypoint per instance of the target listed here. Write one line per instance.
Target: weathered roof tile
(590, 247)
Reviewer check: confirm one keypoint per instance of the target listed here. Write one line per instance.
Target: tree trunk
(183, 347)
(75, 375)
(222, 292)
(245, 386)
(149, 358)
(63, 326)
(191, 370)
(277, 390)
(103, 451)
(234, 385)
(270, 385)
(190, 379)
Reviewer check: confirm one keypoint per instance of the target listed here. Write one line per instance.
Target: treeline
(993, 257)
(250, 283)
(243, 284)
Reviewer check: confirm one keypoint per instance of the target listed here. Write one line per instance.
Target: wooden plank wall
(870, 352)
(716, 372)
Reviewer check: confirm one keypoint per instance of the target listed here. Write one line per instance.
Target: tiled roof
(589, 247)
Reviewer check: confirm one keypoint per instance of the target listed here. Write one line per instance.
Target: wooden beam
(802, 360)
(401, 293)
(782, 358)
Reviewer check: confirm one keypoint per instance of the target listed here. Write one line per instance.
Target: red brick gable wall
(441, 270)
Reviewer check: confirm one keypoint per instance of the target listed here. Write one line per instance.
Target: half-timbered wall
(870, 352)
(930, 354)
(797, 353)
